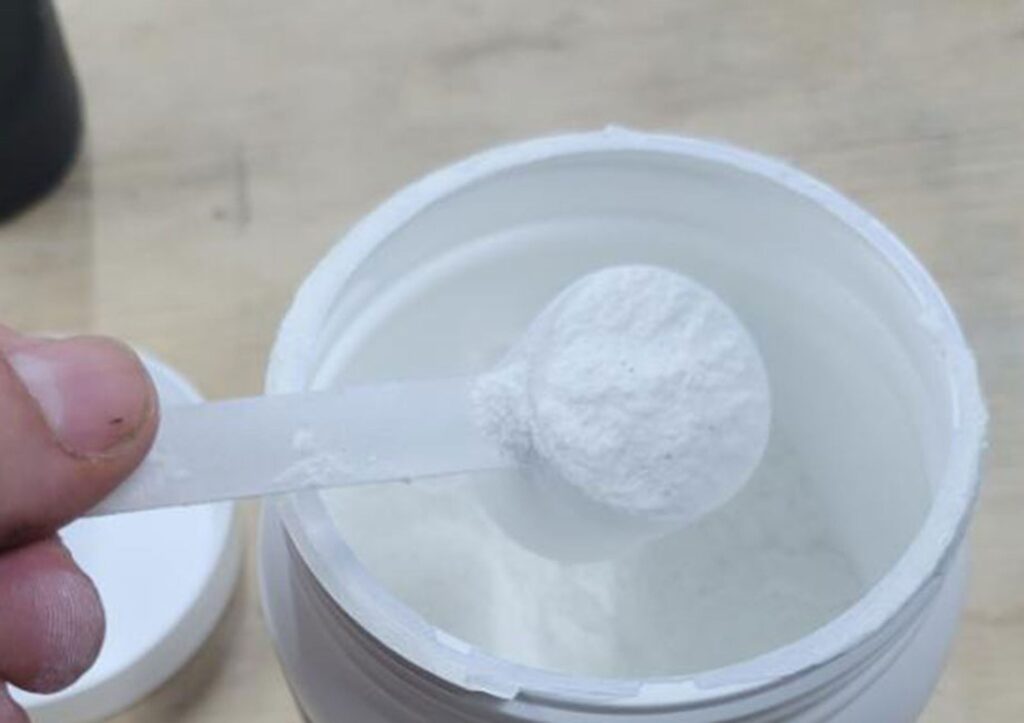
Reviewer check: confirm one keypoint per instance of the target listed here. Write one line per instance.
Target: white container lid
(165, 578)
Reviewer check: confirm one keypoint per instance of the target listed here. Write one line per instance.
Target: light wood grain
(231, 140)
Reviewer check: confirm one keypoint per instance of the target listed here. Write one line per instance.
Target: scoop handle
(365, 434)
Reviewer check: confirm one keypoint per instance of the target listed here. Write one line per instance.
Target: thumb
(77, 416)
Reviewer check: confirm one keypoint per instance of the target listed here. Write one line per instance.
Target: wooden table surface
(230, 141)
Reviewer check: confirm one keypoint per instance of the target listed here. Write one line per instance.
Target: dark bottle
(40, 116)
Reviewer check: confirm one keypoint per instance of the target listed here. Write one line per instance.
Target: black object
(40, 112)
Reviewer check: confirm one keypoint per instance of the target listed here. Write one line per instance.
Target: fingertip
(93, 392)
(51, 619)
(80, 415)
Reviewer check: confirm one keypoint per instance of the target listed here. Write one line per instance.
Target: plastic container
(871, 376)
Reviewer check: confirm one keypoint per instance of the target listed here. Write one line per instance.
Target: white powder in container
(743, 580)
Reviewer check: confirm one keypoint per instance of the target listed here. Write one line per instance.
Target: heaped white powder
(639, 387)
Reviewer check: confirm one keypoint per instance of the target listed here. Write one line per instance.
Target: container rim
(910, 583)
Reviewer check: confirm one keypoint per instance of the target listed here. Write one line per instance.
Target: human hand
(77, 416)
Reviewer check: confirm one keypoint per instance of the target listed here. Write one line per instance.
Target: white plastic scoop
(374, 433)
(635, 404)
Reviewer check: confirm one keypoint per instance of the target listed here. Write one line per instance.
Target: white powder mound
(762, 571)
(640, 388)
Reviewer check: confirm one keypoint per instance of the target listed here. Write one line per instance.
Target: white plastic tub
(873, 385)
